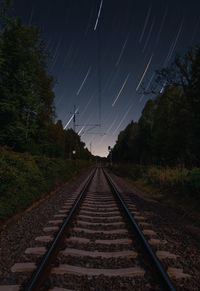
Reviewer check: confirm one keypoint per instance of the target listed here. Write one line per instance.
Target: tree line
(27, 112)
(168, 131)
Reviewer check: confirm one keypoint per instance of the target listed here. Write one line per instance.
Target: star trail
(110, 46)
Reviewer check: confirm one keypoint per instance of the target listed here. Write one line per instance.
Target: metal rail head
(42, 270)
(164, 277)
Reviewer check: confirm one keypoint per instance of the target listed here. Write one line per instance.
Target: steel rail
(42, 270)
(166, 281)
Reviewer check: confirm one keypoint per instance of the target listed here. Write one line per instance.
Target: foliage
(194, 180)
(126, 147)
(26, 103)
(27, 120)
(27, 113)
(168, 132)
(25, 178)
(74, 143)
(178, 181)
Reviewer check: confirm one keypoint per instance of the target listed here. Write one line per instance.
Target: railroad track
(93, 243)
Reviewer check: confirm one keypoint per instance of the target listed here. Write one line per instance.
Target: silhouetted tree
(27, 113)
(168, 131)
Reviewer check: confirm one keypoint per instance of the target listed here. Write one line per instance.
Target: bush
(194, 181)
(25, 178)
(132, 171)
(166, 177)
(181, 181)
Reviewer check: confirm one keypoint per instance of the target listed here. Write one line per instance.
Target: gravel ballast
(181, 236)
(20, 232)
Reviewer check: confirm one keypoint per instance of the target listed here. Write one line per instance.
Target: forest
(27, 111)
(161, 152)
(36, 154)
(168, 131)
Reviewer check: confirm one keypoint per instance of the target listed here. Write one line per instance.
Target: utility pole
(74, 113)
(111, 158)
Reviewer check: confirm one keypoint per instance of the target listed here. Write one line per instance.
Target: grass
(178, 188)
(25, 179)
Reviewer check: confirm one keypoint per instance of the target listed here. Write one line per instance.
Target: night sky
(104, 52)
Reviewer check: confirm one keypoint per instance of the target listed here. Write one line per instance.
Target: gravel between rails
(80, 265)
(21, 232)
(101, 283)
(175, 229)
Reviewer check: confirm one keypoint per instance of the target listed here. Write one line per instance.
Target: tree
(168, 131)
(170, 144)
(145, 132)
(184, 73)
(27, 113)
(26, 95)
(126, 147)
(74, 147)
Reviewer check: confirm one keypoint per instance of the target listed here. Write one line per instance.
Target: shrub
(166, 177)
(25, 178)
(180, 181)
(194, 181)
